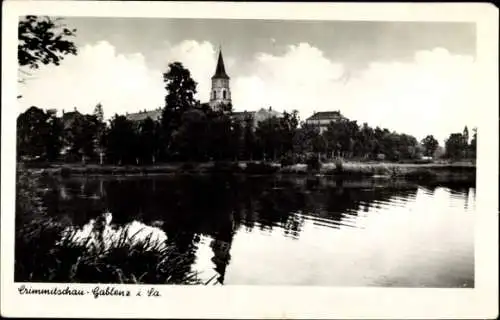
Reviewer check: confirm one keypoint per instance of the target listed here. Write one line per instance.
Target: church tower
(220, 93)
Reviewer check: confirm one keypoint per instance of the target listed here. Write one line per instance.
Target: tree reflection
(186, 207)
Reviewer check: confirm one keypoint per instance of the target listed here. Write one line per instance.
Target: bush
(339, 166)
(420, 175)
(187, 166)
(260, 168)
(221, 166)
(313, 163)
(50, 249)
(65, 172)
(287, 160)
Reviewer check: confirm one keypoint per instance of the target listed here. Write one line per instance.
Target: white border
(272, 302)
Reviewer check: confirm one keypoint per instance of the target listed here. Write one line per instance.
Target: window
(214, 95)
(223, 94)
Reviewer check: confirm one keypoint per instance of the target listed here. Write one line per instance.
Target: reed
(49, 249)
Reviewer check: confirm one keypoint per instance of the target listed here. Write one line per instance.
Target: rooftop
(241, 115)
(143, 115)
(326, 115)
(220, 70)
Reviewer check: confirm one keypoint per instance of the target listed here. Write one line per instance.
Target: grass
(409, 171)
(340, 168)
(49, 249)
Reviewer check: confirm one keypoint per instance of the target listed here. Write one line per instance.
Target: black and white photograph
(211, 151)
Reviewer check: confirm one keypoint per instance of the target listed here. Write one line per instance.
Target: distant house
(257, 116)
(143, 115)
(69, 118)
(323, 119)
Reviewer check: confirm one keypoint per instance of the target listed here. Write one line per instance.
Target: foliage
(473, 144)
(81, 136)
(456, 146)
(260, 168)
(275, 136)
(313, 163)
(121, 141)
(190, 131)
(39, 135)
(430, 145)
(43, 41)
(48, 249)
(249, 138)
(149, 141)
(181, 89)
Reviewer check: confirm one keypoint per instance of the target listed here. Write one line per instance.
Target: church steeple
(220, 70)
(220, 94)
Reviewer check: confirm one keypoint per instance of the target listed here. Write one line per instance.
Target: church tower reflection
(221, 246)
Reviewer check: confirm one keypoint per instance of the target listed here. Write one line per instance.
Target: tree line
(190, 131)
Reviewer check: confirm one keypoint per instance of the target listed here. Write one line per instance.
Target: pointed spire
(220, 70)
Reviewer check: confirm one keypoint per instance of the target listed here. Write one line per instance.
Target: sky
(411, 77)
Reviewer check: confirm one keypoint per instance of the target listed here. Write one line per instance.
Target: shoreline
(441, 172)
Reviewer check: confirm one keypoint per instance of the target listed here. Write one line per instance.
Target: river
(290, 230)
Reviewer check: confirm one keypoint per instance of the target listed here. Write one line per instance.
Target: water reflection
(301, 230)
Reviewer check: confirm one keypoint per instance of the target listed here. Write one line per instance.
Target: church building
(220, 97)
(220, 93)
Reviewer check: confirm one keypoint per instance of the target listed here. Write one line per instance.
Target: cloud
(199, 58)
(432, 94)
(300, 79)
(122, 83)
(435, 93)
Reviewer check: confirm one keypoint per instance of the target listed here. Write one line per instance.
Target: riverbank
(464, 171)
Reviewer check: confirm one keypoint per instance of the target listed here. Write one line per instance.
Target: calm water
(290, 230)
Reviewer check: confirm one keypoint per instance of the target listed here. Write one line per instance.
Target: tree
(39, 134)
(307, 139)
(81, 137)
(54, 136)
(30, 125)
(237, 139)
(191, 139)
(473, 144)
(366, 140)
(220, 127)
(43, 41)
(149, 140)
(288, 127)
(121, 141)
(466, 142)
(455, 146)
(99, 113)
(100, 131)
(430, 145)
(249, 138)
(339, 137)
(268, 133)
(466, 135)
(181, 89)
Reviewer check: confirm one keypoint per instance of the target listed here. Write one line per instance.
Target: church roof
(220, 70)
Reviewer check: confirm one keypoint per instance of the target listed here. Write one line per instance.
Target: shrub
(287, 160)
(49, 249)
(260, 168)
(420, 175)
(187, 166)
(313, 163)
(65, 172)
(222, 166)
(339, 166)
